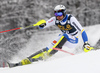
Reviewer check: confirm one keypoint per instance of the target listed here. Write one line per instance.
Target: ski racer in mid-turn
(70, 28)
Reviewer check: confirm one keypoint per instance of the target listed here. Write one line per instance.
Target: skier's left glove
(87, 47)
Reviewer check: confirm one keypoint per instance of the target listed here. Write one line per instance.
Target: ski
(11, 65)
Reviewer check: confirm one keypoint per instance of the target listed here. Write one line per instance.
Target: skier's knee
(66, 36)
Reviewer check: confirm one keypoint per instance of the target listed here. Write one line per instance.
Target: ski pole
(37, 24)
(63, 51)
(16, 28)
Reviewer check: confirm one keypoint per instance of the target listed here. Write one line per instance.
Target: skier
(70, 28)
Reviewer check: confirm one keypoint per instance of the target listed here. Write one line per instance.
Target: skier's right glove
(87, 47)
(40, 23)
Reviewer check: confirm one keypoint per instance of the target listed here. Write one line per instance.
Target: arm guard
(84, 36)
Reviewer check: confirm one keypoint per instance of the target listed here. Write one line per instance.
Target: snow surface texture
(63, 62)
(80, 63)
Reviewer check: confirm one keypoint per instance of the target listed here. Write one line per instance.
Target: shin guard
(59, 44)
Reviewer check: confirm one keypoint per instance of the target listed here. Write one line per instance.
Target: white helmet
(60, 8)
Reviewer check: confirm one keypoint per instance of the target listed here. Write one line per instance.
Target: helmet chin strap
(63, 17)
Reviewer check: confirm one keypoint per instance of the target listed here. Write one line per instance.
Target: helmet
(60, 9)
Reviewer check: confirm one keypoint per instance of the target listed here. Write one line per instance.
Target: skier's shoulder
(71, 17)
(51, 19)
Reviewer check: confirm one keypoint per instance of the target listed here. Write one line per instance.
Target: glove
(87, 47)
(40, 23)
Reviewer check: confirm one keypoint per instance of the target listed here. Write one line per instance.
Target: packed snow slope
(63, 62)
(80, 63)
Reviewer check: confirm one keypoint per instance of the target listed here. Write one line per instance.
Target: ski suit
(70, 28)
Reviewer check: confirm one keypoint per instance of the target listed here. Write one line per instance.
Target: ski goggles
(58, 14)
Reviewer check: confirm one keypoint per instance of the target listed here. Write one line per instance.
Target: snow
(80, 63)
(66, 63)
